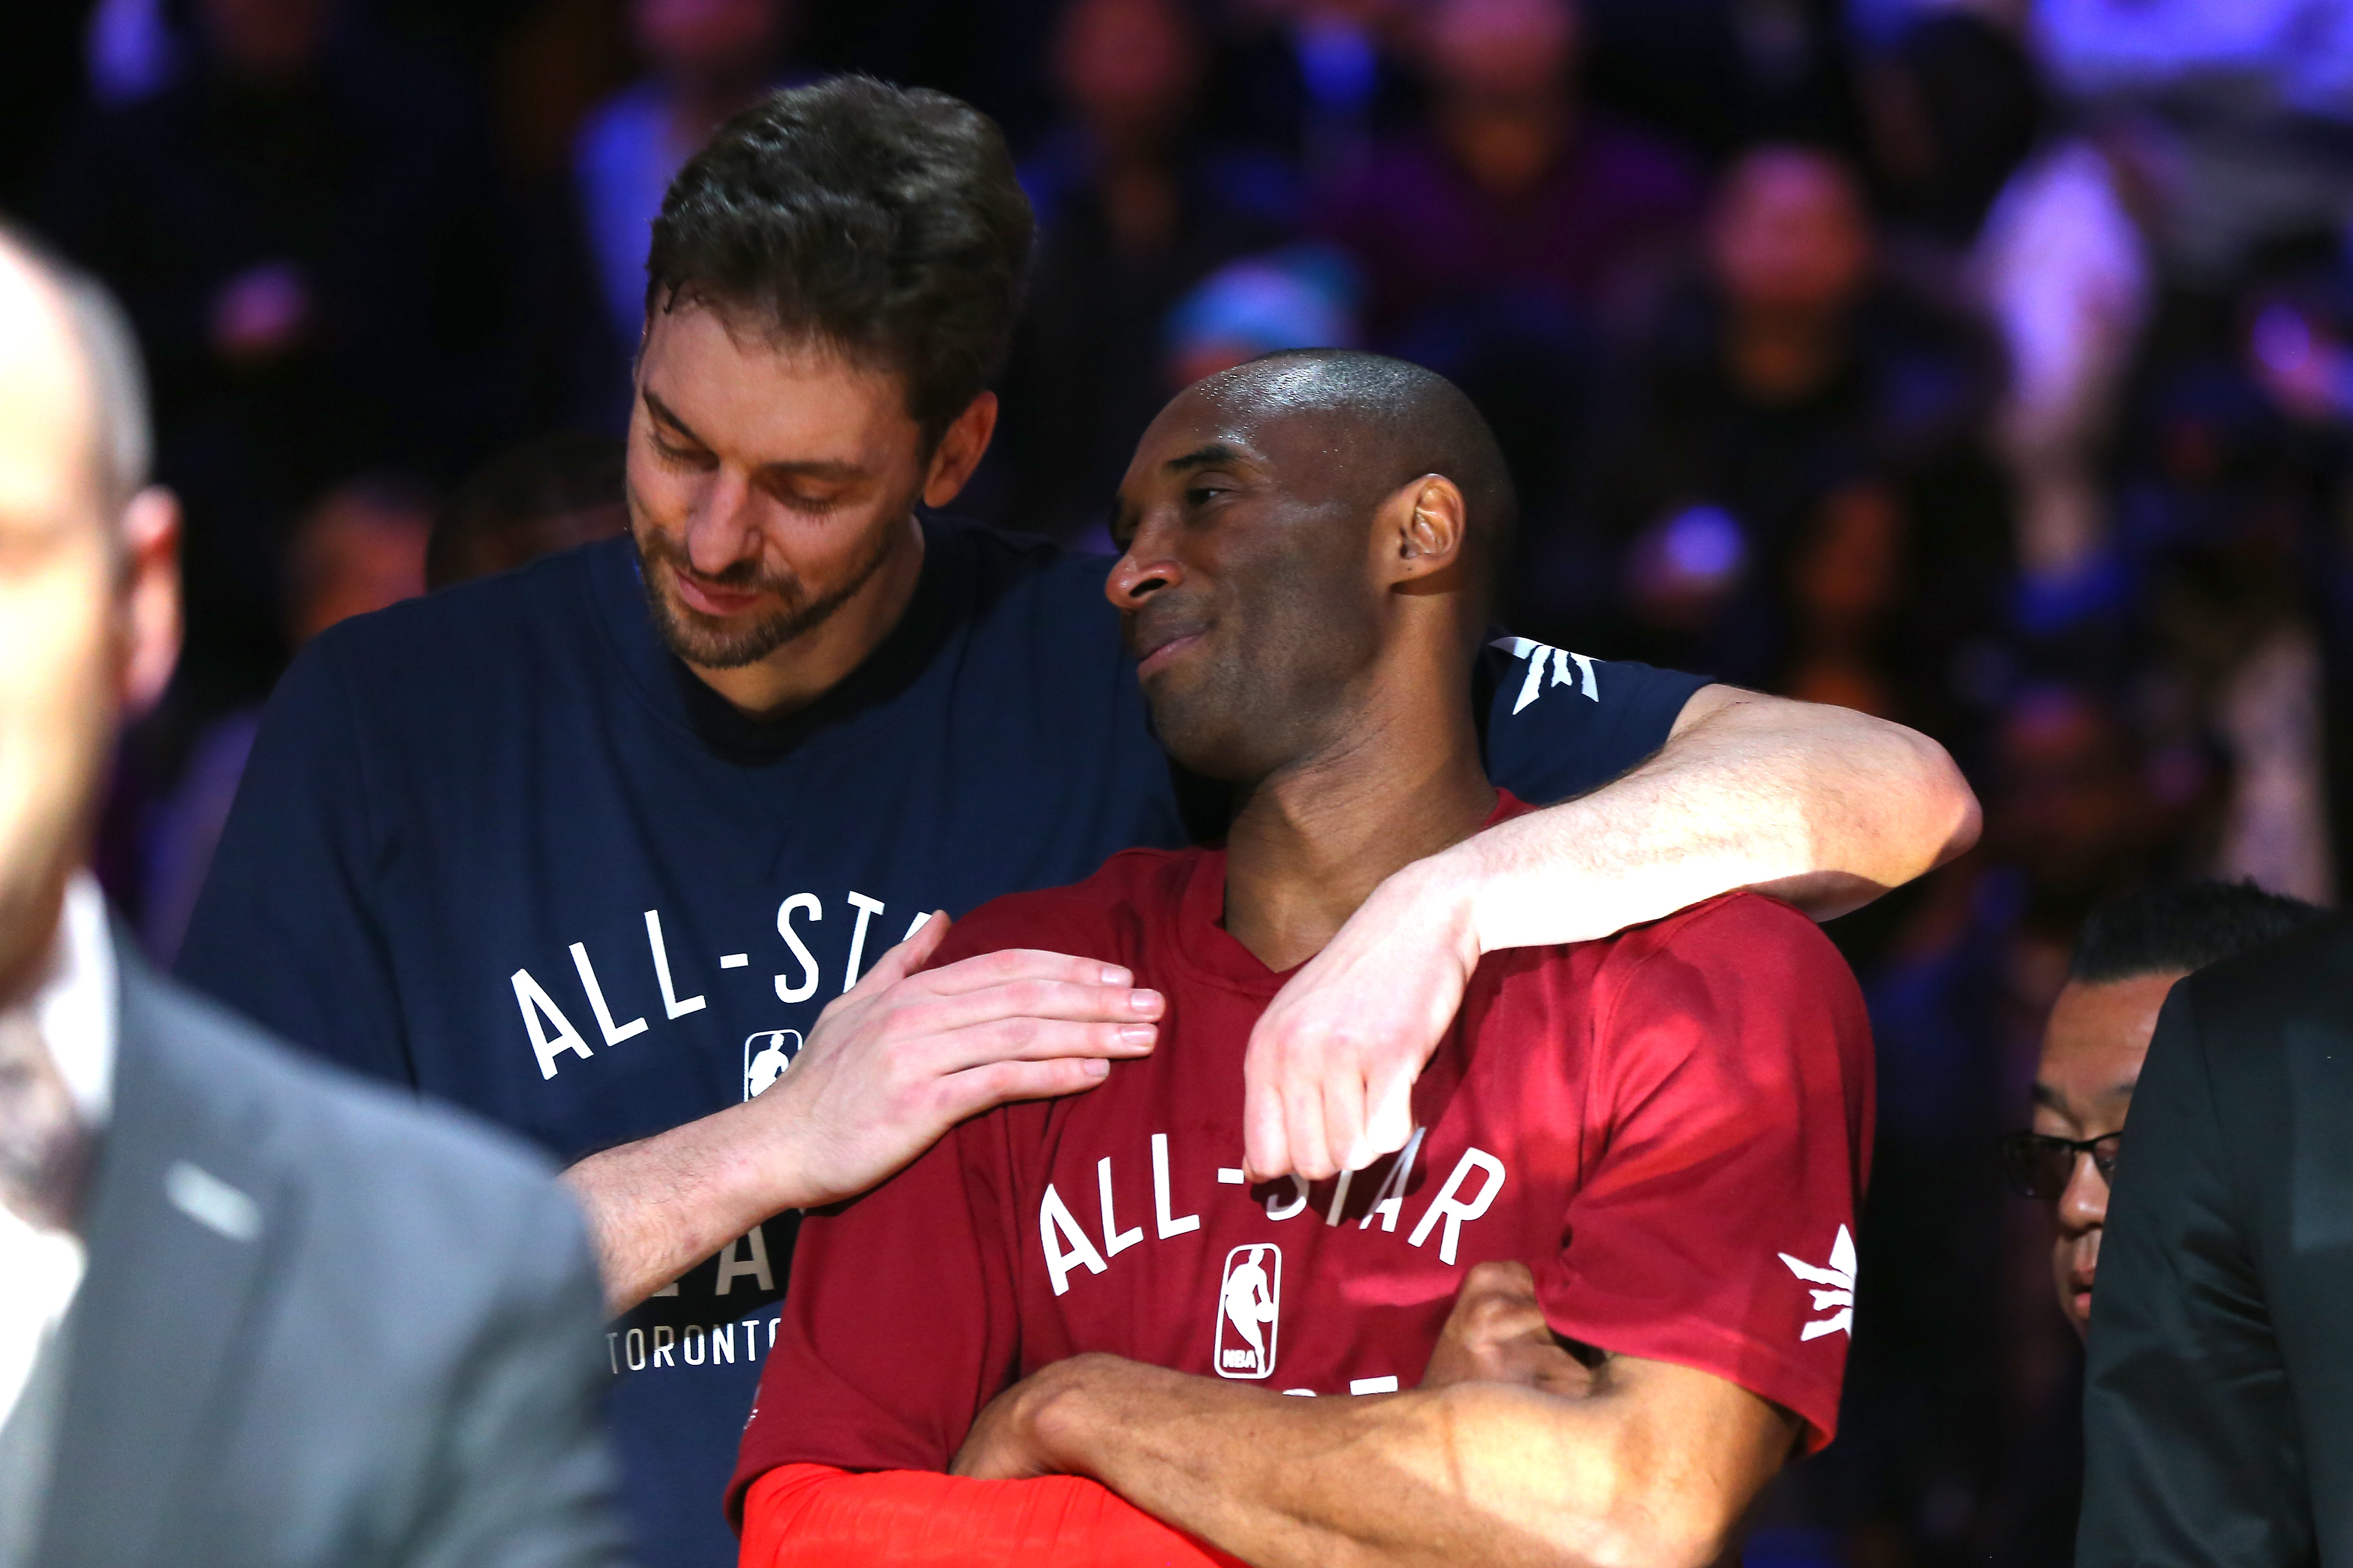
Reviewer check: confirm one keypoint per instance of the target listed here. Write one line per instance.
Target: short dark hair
(2184, 927)
(1418, 421)
(884, 222)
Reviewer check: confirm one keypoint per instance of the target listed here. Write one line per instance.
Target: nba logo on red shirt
(1249, 1301)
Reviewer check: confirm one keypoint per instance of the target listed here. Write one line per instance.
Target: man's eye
(1201, 495)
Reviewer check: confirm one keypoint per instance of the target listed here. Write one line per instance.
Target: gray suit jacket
(321, 1325)
(2217, 1408)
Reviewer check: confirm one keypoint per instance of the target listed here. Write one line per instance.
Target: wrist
(1441, 893)
(1053, 1415)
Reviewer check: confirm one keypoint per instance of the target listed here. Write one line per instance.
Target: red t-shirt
(1671, 1127)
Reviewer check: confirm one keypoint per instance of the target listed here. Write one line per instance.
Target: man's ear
(150, 603)
(1423, 527)
(960, 449)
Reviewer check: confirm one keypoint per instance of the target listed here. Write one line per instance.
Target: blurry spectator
(303, 227)
(704, 61)
(361, 547)
(1793, 477)
(1513, 186)
(2129, 956)
(1134, 207)
(544, 496)
(1952, 109)
(1315, 77)
(1492, 234)
(1723, 74)
(2233, 115)
(1300, 298)
(2066, 278)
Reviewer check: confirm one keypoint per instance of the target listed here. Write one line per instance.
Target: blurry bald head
(88, 597)
(59, 317)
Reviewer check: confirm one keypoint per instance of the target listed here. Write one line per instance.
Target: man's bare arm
(1823, 806)
(891, 1065)
(1510, 1452)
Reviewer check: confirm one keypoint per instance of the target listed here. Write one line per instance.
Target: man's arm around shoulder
(1824, 807)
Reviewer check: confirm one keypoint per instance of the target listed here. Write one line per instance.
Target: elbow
(1952, 810)
(1941, 818)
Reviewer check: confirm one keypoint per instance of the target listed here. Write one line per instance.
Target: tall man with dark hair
(1635, 1167)
(590, 847)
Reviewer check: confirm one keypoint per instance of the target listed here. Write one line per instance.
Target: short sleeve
(284, 930)
(1716, 1230)
(902, 1320)
(1557, 725)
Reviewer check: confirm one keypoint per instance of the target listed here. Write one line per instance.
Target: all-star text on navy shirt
(499, 844)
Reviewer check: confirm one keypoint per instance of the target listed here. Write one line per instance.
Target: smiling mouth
(708, 599)
(1162, 655)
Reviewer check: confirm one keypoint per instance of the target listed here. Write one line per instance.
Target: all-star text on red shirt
(1671, 1127)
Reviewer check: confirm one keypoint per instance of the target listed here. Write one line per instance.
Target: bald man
(1600, 1296)
(252, 1313)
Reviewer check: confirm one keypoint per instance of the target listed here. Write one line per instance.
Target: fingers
(1015, 964)
(1029, 1039)
(1056, 1000)
(1388, 1114)
(976, 1090)
(907, 957)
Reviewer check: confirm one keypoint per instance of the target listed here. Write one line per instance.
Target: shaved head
(103, 359)
(1385, 422)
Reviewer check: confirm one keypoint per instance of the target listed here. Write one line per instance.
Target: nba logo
(767, 1055)
(1250, 1301)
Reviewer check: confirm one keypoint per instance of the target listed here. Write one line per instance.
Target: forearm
(1823, 806)
(1480, 1472)
(659, 1205)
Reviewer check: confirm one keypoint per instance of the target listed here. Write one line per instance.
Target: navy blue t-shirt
(498, 844)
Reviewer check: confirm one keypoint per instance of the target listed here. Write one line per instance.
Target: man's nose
(2085, 1202)
(726, 527)
(1135, 578)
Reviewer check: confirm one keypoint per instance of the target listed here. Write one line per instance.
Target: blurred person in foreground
(1646, 1152)
(642, 850)
(2126, 963)
(252, 1313)
(2217, 1407)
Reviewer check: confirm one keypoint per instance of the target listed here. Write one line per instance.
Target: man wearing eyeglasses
(2128, 959)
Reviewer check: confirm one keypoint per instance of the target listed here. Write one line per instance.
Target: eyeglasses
(2040, 1167)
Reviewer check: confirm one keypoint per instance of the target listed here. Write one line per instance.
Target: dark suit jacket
(321, 1325)
(2219, 1402)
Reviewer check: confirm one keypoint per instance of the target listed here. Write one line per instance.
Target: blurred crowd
(1987, 366)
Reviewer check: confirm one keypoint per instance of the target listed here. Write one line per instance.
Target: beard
(713, 642)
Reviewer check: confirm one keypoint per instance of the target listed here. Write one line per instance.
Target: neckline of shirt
(1208, 950)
